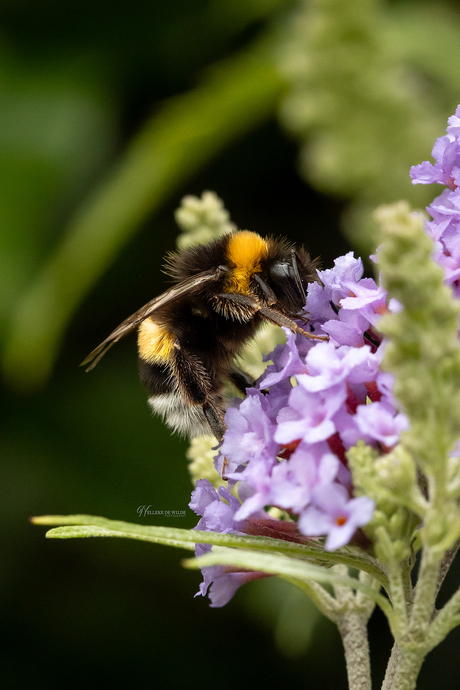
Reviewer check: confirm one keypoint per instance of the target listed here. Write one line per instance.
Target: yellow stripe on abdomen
(245, 251)
(154, 342)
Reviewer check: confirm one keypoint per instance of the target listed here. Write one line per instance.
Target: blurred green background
(302, 116)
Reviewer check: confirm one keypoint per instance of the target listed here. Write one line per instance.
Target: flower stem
(403, 668)
(353, 630)
(388, 681)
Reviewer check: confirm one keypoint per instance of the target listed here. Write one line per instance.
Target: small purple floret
(445, 209)
(332, 512)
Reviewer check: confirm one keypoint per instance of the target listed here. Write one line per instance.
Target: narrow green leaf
(182, 538)
(85, 532)
(278, 564)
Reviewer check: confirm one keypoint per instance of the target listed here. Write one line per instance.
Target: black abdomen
(155, 377)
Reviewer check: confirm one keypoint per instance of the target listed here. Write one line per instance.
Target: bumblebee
(189, 336)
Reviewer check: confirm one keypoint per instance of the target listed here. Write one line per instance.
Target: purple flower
(289, 485)
(348, 429)
(286, 362)
(309, 467)
(368, 298)
(346, 269)
(224, 586)
(319, 304)
(250, 435)
(378, 421)
(348, 329)
(255, 479)
(445, 209)
(446, 153)
(329, 366)
(332, 512)
(221, 582)
(216, 508)
(309, 415)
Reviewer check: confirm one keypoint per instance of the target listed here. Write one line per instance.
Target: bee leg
(268, 292)
(282, 320)
(215, 420)
(195, 384)
(272, 315)
(218, 428)
(241, 379)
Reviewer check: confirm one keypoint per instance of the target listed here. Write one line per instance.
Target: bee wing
(130, 324)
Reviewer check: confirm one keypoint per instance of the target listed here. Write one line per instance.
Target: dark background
(79, 80)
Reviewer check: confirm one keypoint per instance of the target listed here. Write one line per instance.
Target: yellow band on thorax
(245, 251)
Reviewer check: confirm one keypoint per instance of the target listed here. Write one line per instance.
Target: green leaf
(93, 526)
(85, 532)
(278, 564)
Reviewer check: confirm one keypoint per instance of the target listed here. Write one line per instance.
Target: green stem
(406, 666)
(447, 619)
(353, 631)
(397, 595)
(446, 562)
(407, 584)
(425, 594)
(388, 681)
(412, 646)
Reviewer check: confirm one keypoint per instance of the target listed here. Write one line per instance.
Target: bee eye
(281, 270)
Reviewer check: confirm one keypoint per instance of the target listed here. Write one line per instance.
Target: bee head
(288, 274)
